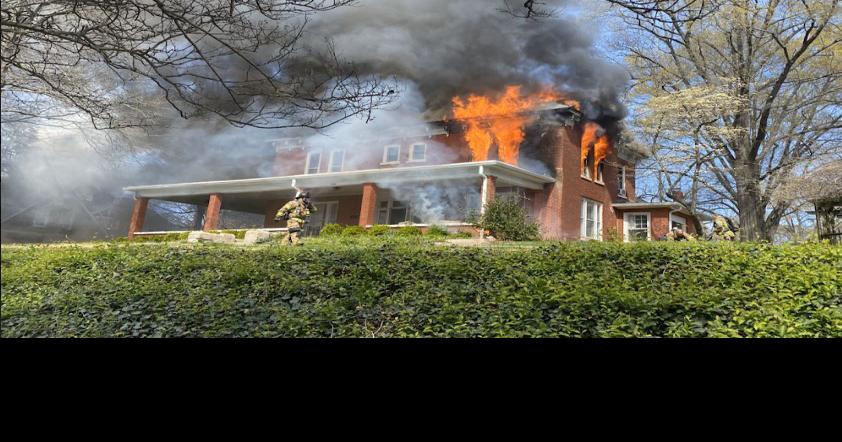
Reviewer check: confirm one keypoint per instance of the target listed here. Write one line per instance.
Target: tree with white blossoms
(734, 97)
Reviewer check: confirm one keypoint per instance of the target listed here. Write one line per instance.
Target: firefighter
(677, 234)
(721, 230)
(295, 213)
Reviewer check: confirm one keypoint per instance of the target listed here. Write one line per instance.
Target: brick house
(396, 178)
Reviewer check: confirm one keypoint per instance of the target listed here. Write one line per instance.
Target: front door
(325, 214)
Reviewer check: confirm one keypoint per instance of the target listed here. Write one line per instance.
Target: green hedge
(408, 287)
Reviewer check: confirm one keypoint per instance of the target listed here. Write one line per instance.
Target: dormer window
(418, 152)
(337, 160)
(391, 154)
(314, 160)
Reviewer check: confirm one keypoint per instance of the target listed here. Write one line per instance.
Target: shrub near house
(406, 286)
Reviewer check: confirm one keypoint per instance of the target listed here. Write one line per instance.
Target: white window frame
(627, 216)
(341, 163)
(390, 205)
(412, 153)
(321, 206)
(679, 219)
(586, 170)
(621, 182)
(583, 220)
(386, 154)
(600, 173)
(307, 163)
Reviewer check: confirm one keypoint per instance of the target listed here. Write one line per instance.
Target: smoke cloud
(437, 49)
(457, 47)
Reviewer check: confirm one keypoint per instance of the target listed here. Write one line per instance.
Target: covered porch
(360, 197)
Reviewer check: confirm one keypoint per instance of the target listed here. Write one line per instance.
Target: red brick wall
(659, 222)
(348, 212)
(557, 207)
(441, 149)
(574, 188)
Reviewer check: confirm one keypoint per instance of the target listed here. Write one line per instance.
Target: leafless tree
(239, 59)
(530, 9)
(766, 77)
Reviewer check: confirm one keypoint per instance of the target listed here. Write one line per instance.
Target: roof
(251, 194)
(649, 206)
(823, 184)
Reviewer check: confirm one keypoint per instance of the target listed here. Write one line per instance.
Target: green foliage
(472, 217)
(331, 229)
(353, 231)
(435, 230)
(461, 235)
(408, 231)
(378, 230)
(507, 220)
(612, 235)
(406, 287)
(167, 237)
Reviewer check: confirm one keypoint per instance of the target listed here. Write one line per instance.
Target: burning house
(572, 174)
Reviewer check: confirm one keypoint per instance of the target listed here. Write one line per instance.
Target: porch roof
(678, 208)
(250, 194)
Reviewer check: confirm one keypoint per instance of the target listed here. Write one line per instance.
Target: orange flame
(595, 135)
(500, 120)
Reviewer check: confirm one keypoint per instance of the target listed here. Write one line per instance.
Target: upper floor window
(591, 219)
(314, 160)
(621, 181)
(418, 152)
(391, 154)
(637, 227)
(337, 160)
(586, 165)
(599, 170)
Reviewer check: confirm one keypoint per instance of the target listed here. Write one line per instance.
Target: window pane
(330, 213)
(336, 160)
(383, 213)
(397, 215)
(313, 163)
(637, 235)
(419, 151)
(391, 154)
(640, 222)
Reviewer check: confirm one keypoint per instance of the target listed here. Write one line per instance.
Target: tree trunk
(749, 204)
